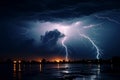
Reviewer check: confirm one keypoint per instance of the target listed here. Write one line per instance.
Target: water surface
(59, 72)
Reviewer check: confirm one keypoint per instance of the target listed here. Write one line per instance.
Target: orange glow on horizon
(51, 59)
(56, 59)
(39, 59)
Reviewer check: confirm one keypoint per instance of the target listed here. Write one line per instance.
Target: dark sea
(59, 72)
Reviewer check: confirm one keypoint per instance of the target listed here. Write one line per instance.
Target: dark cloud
(48, 46)
(50, 9)
(51, 37)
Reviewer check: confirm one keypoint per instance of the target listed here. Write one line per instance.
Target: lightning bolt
(96, 47)
(107, 18)
(66, 49)
(92, 25)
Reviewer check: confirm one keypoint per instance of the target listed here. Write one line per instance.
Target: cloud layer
(15, 14)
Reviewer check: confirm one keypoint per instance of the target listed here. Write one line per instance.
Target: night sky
(37, 28)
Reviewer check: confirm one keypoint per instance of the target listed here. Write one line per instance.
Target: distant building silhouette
(43, 60)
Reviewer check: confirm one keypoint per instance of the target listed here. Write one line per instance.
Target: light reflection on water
(14, 70)
(96, 70)
(59, 71)
(40, 67)
(17, 71)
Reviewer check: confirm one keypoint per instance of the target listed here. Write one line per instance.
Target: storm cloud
(52, 9)
(21, 26)
(51, 37)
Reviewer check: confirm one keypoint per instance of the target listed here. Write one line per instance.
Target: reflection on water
(14, 70)
(58, 65)
(40, 67)
(19, 67)
(67, 65)
(14, 67)
(82, 72)
(17, 71)
(59, 72)
(98, 70)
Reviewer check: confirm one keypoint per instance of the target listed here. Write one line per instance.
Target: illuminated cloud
(23, 23)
